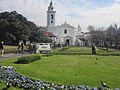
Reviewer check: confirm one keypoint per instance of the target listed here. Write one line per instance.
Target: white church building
(65, 33)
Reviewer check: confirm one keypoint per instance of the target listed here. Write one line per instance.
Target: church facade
(65, 33)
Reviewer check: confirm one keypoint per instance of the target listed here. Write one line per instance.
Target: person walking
(21, 47)
(31, 48)
(2, 48)
(34, 47)
(94, 49)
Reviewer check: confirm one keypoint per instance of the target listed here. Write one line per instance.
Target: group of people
(31, 48)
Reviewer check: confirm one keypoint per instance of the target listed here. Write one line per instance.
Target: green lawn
(10, 49)
(72, 69)
(85, 51)
(76, 69)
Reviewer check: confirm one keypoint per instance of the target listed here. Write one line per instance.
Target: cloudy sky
(83, 12)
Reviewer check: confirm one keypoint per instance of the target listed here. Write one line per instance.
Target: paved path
(10, 55)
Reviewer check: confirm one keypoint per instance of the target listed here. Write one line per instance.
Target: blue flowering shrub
(10, 77)
(28, 59)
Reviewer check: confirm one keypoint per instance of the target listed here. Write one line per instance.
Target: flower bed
(10, 77)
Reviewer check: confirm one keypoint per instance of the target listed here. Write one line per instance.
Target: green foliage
(39, 37)
(28, 59)
(15, 27)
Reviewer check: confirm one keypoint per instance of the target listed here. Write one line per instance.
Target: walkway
(10, 55)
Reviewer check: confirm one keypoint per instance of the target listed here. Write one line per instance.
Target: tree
(97, 35)
(38, 36)
(15, 27)
(112, 34)
(91, 28)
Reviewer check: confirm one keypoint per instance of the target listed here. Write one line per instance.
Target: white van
(43, 48)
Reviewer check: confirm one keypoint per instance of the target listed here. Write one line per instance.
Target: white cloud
(117, 0)
(100, 16)
(103, 16)
(35, 10)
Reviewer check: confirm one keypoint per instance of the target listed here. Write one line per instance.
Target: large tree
(38, 36)
(15, 27)
(112, 33)
(97, 35)
(109, 36)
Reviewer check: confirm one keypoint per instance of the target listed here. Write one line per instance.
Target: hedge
(28, 59)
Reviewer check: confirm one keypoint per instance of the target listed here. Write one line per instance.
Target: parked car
(43, 48)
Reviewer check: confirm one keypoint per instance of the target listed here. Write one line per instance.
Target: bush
(28, 59)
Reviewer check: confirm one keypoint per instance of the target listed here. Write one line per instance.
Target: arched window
(52, 21)
(65, 31)
(51, 16)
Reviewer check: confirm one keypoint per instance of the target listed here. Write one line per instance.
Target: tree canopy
(15, 27)
(102, 36)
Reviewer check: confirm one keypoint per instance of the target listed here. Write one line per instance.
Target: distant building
(65, 33)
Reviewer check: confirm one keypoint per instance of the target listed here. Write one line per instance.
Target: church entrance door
(67, 42)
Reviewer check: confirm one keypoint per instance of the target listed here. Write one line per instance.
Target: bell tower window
(51, 21)
(51, 16)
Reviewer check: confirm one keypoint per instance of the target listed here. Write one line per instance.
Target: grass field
(10, 49)
(72, 69)
(85, 51)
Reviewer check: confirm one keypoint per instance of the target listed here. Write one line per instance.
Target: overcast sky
(83, 12)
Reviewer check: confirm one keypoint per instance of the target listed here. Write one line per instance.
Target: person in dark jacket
(2, 48)
(93, 49)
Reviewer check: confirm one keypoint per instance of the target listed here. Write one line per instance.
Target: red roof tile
(49, 34)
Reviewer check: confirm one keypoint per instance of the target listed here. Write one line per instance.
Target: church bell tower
(50, 15)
